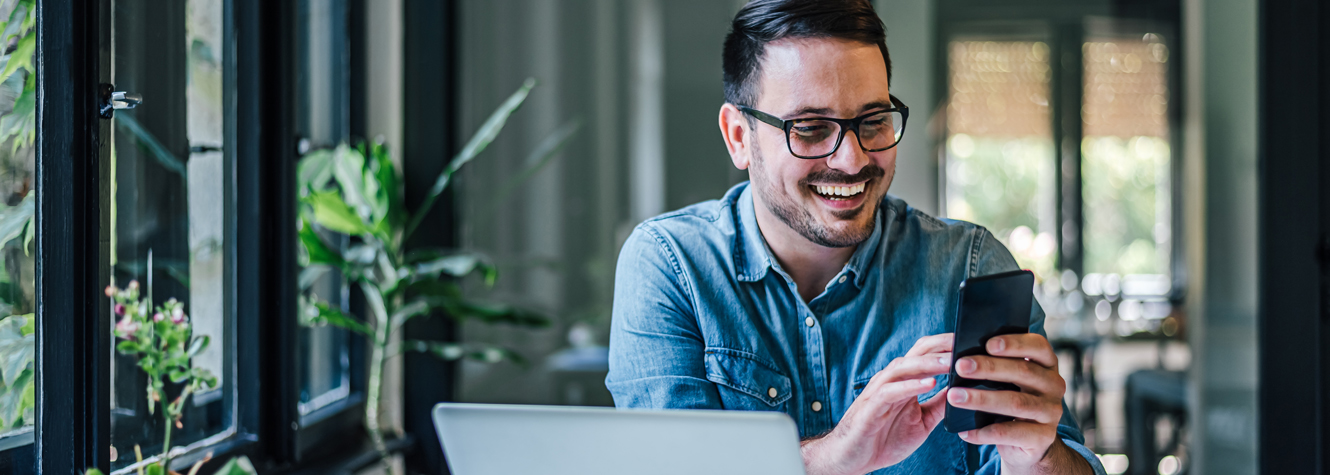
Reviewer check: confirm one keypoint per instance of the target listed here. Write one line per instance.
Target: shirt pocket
(745, 383)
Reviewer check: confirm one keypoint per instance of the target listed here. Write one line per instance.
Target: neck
(811, 265)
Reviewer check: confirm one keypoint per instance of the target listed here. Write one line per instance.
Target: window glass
(17, 299)
(168, 212)
(999, 150)
(1125, 166)
(322, 98)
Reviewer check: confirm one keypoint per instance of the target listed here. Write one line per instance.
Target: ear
(734, 129)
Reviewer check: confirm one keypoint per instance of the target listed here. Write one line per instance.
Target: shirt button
(841, 279)
(808, 321)
(817, 406)
(772, 392)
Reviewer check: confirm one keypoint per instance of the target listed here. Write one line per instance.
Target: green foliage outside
(1123, 180)
(358, 192)
(18, 127)
(1000, 183)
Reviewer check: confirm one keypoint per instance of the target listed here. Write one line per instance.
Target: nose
(849, 157)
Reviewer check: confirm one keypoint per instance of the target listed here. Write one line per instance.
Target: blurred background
(1116, 147)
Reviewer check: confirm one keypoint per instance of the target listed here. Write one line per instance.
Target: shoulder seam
(665, 248)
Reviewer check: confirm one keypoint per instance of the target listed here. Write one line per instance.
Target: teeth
(840, 190)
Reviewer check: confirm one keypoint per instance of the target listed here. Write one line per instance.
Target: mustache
(837, 177)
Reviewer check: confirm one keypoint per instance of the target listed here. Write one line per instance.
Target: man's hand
(1029, 444)
(886, 423)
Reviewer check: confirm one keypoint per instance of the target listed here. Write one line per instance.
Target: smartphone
(990, 305)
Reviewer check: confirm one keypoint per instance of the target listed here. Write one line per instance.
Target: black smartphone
(990, 305)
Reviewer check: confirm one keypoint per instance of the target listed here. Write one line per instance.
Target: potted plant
(357, 192)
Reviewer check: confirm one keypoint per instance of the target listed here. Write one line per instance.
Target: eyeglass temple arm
(764, 117)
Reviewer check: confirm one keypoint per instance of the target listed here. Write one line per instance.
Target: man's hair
(764, 21)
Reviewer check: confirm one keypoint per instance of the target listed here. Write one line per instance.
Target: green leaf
(198, 345)
(128, 347)
(237, 466)
(27, 236)
(314, 171)
(331, 316)
(389, 184)
(459, 264)
(178, 375)
(543, 154)
(156, 469)
(17, 350)
(497, 313)
(14, 219)
(349, 171)
(411, 310)
(331, 212)
(488, 131)
(93, 471)
(21, 57)
(319, 253)
(311, 274)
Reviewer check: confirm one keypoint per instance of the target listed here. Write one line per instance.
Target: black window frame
(72, 432)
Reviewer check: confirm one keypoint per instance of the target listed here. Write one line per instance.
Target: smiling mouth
(839, 192)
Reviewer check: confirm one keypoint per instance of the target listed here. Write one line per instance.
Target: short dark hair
(763, 21)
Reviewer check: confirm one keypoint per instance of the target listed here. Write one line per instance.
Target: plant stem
(166, 441)
(382, 330)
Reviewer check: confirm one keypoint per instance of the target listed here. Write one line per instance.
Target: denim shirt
(705, 318)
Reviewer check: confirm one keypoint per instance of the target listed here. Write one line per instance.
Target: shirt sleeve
(992, 258)
(656, 348)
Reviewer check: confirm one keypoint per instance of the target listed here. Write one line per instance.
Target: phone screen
(989, 306)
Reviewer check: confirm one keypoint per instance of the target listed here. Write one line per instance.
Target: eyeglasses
(818, 137)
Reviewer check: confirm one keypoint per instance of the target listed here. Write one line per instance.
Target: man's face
(820, 78)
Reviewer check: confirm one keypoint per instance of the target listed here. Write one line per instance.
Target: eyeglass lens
(812, 138)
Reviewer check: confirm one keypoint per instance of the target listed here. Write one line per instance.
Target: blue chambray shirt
(705, 318)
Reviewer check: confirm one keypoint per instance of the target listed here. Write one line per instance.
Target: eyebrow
(823, 111)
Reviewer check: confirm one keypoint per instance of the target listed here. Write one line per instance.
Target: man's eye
(811, 130)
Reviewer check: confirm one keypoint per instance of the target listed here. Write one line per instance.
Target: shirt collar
(752, 257)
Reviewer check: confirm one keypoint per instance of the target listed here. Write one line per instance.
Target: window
(322, 116)
(168, 209)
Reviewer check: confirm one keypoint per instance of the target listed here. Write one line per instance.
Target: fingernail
(959, 395)
(926, 382)
(999, 344)
(965, 435)
(944, 360)
(965, 365)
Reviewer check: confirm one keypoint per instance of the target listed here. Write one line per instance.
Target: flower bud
(157, 317)
(133, 285)
(120, 309)
(178, 317)
(110, 290)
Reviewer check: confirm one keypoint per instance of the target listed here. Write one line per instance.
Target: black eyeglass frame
(845, 126)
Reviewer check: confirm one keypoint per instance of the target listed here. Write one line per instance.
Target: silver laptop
(492, 439)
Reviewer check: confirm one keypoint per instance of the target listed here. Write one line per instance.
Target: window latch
(111, 100)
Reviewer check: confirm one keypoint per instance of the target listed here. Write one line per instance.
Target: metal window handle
(125, 100)
(113, 100)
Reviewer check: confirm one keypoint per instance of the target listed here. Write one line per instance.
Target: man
(811, 291)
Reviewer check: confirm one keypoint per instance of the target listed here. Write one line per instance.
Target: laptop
(493, 439)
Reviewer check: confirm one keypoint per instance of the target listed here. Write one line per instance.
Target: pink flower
(178, 316)
(125, 328)
(157, 317)
(120, 309)
(110, 290)
(133, 284)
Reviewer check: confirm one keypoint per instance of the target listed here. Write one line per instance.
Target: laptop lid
(493, 439)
